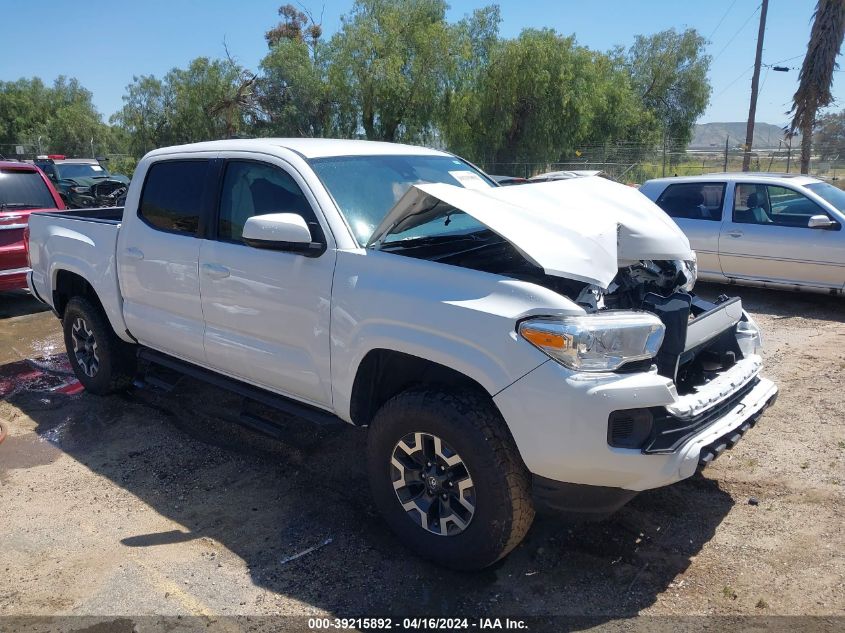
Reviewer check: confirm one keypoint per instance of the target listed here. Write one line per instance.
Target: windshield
(21, 189)
(81, 170)
(448, 222)
(831, 194)
(365, 188)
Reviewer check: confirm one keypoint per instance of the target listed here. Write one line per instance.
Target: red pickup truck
(23, 189)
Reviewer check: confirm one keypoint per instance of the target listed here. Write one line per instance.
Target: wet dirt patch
(26, 451)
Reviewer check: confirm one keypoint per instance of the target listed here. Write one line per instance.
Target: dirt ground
(154, 503)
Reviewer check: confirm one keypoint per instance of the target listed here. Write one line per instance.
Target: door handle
(134, 253)
(735, 233)
(215, 271)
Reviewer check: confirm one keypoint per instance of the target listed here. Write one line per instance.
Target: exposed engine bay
(660, 287)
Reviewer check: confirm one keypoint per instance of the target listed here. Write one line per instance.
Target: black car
(84, 182)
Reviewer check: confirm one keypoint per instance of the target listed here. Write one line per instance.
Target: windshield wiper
(15, 205)
(466, 251)
(428, 240)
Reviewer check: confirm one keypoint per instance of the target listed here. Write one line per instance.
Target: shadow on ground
(18, 303)
(267, 500)
(780, 304)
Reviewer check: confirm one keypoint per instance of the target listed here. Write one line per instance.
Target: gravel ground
(154, 503)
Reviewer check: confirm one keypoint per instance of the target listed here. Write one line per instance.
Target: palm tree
(816, 75)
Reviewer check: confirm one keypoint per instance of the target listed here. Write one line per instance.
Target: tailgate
(12, 253)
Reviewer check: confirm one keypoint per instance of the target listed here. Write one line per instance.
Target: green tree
(210, 99)
(829, 135)
(473, 41)
(293, 90)
(387, 68)
(144, 115)
(816, 76)
(539, 97)
(669, 72)
(59, 119)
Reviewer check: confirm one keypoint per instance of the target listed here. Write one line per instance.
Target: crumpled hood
(582, 228)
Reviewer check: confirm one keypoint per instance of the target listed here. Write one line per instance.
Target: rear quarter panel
(85, 248)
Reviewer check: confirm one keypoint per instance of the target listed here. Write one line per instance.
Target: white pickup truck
(505, 346)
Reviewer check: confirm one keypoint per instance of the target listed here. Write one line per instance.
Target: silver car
(765, 229)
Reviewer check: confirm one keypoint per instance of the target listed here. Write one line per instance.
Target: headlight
(80, 189)
(603, 341)
(690, 270)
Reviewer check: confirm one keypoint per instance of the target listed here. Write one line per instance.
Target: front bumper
(559, 420)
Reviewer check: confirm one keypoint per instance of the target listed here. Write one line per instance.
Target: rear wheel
(446, 475)
(102, 362)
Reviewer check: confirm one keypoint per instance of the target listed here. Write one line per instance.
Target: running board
(250, 392)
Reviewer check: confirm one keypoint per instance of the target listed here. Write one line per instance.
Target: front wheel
(102, 362)
(446, 475)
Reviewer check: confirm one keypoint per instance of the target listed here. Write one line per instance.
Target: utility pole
(725, 168)
(755, 79)
(788, 154)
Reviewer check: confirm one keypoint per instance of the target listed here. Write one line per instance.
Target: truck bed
(105, 215)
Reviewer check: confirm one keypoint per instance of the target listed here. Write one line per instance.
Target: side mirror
(821, 221)
(281, 232)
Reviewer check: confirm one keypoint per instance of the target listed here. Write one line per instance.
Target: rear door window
(24, 189)
(172, 196)
(693, 201)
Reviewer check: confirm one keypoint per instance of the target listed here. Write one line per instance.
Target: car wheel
(446, 474)
(102, 362)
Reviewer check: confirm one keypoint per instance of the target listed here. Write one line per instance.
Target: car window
(693, 201)
(48, 169)
(251, 188)
(773, 205)
(172, 195)
(24, 189)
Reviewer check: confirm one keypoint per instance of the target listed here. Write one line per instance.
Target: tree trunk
(806, 144)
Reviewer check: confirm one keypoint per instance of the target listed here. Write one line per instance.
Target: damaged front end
(702, 339)
(602, 245)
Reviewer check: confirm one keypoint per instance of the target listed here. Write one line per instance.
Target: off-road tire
(470, 423)
(117, 362)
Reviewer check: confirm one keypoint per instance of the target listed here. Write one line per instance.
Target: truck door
(158, 255)
(267, 311)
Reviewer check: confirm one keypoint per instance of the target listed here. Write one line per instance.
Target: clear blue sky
(105, 44)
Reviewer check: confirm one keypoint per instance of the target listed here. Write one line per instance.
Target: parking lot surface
(153, 502)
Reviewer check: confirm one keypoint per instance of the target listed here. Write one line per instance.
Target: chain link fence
(18, 151)
(635, 165)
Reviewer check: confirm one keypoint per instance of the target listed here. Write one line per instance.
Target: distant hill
(712, 135)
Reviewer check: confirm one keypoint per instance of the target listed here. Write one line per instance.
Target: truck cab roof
(305, 147)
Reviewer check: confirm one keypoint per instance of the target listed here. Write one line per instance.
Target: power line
(709, 37)
(788, 59)
(725, 89)
(733, 37)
